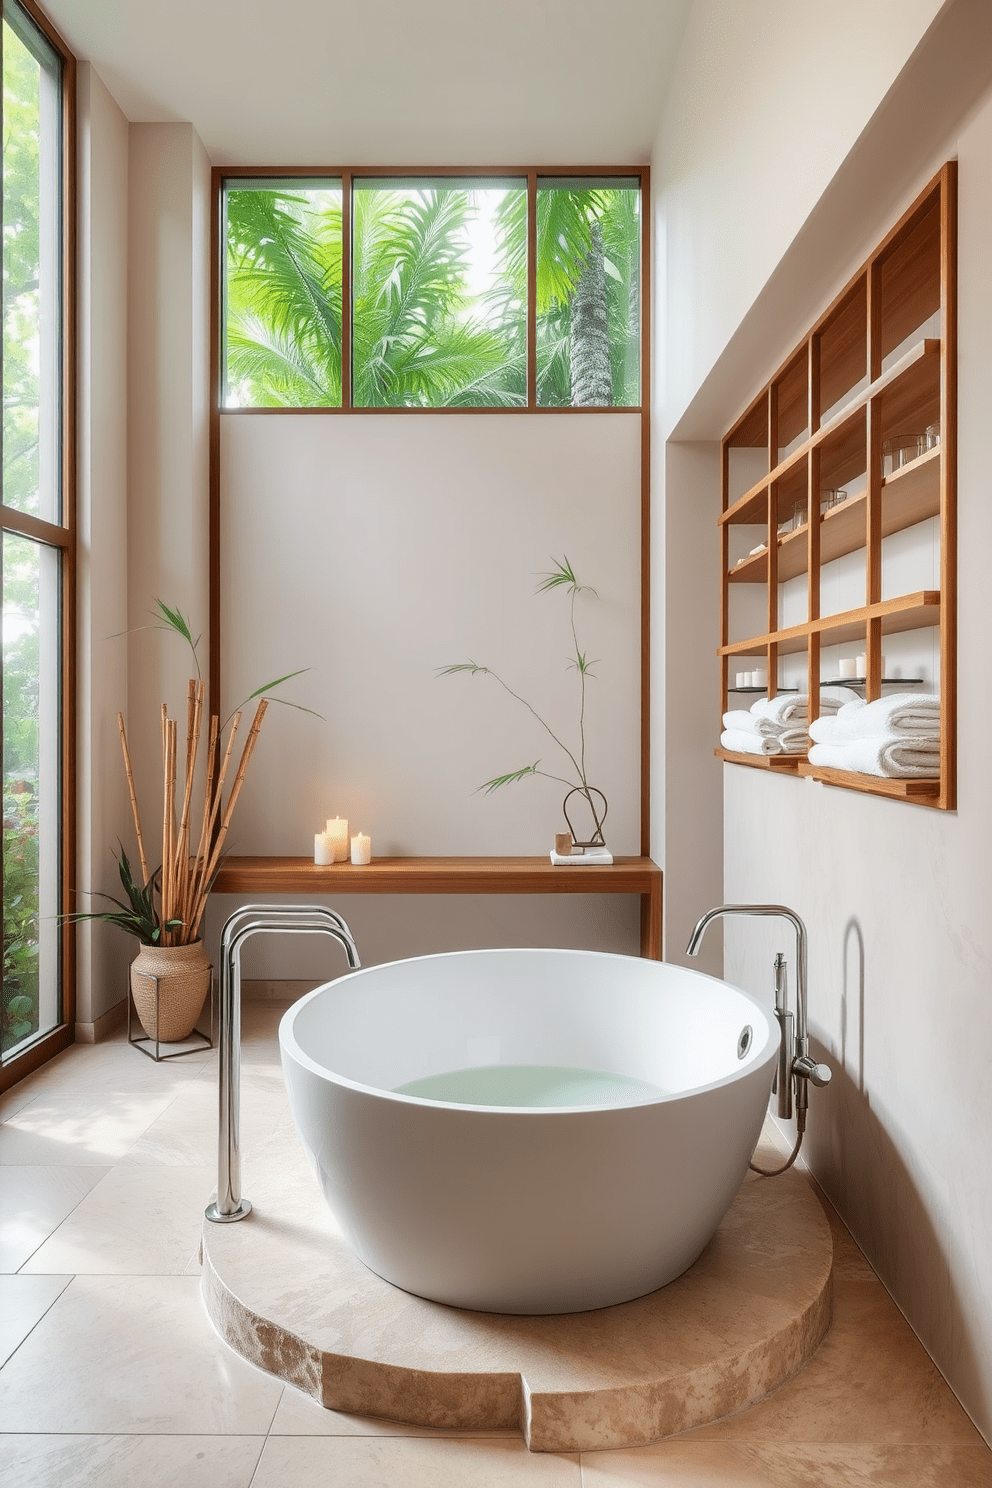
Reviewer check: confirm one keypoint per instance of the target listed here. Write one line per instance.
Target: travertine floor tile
(12, 1100)
(128, 1461)
(186, 1133)
(23, 1301)
(699, 1464)
(119, 1355)
(112, 1065)
(80, 1130)
(136, 1222)
(33, 1203)
(388, 1462)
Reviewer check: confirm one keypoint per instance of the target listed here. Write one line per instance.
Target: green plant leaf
(509, 779)
(460, 666)
(268, 686)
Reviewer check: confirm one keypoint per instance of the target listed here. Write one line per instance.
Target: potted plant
(170, 977)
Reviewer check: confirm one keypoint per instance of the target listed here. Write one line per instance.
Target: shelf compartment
(909, 496)
(918, 367)
(908, 612)
(873, 785)
(843, 342)
(791, 401)
(909, 275)
(784, 764)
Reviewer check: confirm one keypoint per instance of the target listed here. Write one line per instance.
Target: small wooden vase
(183, 974)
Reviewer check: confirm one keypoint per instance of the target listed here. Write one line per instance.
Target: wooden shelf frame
(279, 875)
(870, 364)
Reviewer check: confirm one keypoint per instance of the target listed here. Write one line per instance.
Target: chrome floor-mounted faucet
(796, 1070)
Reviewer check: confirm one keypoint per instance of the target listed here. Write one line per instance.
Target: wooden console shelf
(828, 479)
(639, 876)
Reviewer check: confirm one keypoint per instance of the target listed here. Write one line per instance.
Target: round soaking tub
(528, 1131)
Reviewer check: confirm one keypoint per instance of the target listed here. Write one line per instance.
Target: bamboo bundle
(185, 878)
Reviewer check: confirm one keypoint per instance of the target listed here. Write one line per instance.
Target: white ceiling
(416, 82)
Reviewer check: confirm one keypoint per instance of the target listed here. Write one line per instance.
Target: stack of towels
(897, 737)
(777, 725)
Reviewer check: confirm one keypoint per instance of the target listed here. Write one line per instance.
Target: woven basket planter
(183, 974)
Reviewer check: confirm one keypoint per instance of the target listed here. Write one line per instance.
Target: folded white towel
(744, 741)
(792, 707)
(741, 719)
(794, 741)
(841, 730)
(899, 713)
(900, 758)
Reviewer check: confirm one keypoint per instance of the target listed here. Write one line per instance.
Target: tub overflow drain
(744, 1042)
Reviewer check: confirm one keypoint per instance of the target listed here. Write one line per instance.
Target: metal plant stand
(143, 1041)
(250, 920)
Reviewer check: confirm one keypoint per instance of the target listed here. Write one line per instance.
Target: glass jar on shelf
(901, 450)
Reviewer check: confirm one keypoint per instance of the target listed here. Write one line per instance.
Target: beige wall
(101, 672)
(167, 372)
(375, 550)
(893, 895)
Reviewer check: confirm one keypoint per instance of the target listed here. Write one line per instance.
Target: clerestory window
(451, 291)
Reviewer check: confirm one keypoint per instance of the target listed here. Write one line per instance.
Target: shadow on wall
(862, 1171)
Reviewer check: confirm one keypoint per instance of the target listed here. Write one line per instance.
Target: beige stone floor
(111, 1374)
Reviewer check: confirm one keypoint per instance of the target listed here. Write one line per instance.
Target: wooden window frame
(222, 175)
(63, 537)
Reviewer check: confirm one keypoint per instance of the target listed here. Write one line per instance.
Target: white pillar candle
(361, 850)
(760, 677)
(323, 849)
(337, 831)
(849, 667)
(742, 679)
(860, 667)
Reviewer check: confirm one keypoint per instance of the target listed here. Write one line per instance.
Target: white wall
(374, 550)
(766, 101)
(893, 894)
(101, 673)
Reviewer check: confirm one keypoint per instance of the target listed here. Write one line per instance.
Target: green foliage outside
(421, 336)
(19, 998)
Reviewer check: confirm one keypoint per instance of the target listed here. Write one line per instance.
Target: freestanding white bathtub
(528, 1208)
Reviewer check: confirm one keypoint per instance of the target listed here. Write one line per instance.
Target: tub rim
(289, 1044)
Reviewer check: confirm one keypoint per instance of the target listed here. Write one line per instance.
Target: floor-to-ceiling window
(37, 536)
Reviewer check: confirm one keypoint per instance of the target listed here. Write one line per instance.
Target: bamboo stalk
(201, 851)
(202, 879)
(134, 799)
(168, 830)
(239, 778)
(193, 717)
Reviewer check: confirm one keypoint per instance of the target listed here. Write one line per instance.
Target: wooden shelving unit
(871, 370)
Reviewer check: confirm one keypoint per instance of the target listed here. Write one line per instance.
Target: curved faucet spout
(780, 911)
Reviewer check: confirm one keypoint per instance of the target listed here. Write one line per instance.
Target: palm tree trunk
(592, 383)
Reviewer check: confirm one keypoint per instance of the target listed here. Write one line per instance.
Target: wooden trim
(35, 528)
(67, 947)
(645, 534)
(948, 484)
(484, 410)
(531, 331)
(420, 172)
(39, 1053)
(347, 293)
(61, 536)
(214, 513)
